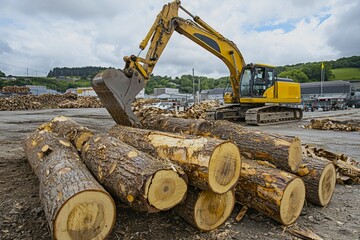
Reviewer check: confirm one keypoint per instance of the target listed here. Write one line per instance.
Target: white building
(170, 91)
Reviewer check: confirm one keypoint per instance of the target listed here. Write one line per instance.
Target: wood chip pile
(15, 89)
(329, 124)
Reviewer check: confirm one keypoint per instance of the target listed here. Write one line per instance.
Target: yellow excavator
(257, 95)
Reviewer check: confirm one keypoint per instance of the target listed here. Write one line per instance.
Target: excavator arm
(117, 89)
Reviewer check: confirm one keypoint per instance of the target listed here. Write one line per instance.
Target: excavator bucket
(117, 92)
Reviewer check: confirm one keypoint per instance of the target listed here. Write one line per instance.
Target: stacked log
(320, 179)
(329, 124)
(210, 164)
(146, 168)
(143, 182)
(32, 102)
(15, 89)
(139, 180)
(82, 102)
(347, 169)
(278, 194)
(206, 210)
(279, 151)
(75, 204)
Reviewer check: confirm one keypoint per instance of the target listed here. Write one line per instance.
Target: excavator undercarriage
(255, 115)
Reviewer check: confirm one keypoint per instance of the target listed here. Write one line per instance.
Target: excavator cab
(255, 80)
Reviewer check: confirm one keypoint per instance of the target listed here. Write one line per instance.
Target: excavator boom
(117, 88)
(253, 86)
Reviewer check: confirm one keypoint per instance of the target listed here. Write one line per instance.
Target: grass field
(346, 74)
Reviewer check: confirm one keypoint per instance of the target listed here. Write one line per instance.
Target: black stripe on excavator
(208, 41)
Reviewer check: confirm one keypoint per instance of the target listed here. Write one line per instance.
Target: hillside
(50, 83)
(346, 74)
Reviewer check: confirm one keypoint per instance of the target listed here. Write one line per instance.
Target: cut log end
(87, 215)
(292, 201)
(166, 190)
(224, 167)
(212, 210)
(327, 184)
(295, 155)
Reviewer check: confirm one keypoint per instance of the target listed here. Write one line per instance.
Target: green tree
(2, 74)
(296, 74)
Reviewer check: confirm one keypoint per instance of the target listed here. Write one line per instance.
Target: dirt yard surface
(22, 217)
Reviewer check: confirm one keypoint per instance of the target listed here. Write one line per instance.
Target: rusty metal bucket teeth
(117, 92)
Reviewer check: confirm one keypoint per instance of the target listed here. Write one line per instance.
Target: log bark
(143, 182)
(277, 194)
(206, 210)
(319, 178)
(68, 129)
(75, 205)
(210, 164)
(281, 152)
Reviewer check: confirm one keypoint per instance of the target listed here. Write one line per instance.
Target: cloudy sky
(43, 34)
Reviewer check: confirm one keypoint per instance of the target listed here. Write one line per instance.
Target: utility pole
(193, 78)
(199, 100)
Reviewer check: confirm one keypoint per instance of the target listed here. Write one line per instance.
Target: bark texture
(209, 163)
(206, 210)
(277, 194)
(319, 179)
(75, 204)
(68, 129)
(131, 174)
(281, 152)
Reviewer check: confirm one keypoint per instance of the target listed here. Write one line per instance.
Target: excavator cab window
(255, 80)
(246, 83)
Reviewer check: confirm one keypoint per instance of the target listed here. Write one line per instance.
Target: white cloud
(44, 34)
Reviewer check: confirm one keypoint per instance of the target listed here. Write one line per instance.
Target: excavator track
(263, 115)
(267, 115)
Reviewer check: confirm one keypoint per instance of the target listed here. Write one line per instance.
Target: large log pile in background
(209, 163)
(281, 152)
(330, 124)
(43, 101)
(75, 204)
(15, 89)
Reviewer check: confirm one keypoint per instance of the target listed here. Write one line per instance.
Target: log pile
(82, 102)
(329, 124)
(43, 101)
(149, 170)
(198, 110)
(15, 89)
(347, 169)
(75, 204)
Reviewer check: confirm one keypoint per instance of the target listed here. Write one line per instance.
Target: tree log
(206, 210)
(277, 194)
(210, 164)
(281, 152)
(69, 129)
(75, 205)
(319, 178)
(143, 182)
